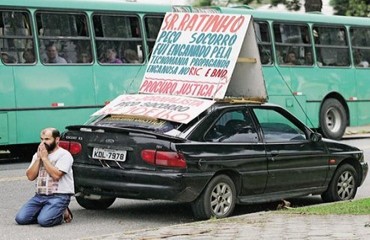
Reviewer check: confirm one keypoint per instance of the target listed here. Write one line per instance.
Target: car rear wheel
(217, 199)
(95, 204)
(333, 119)
(343, 185)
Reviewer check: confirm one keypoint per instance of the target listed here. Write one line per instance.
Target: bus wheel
(333, 119)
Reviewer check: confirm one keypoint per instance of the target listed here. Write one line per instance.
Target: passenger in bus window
(110, 56)
(131, 56)
(52, 55)
(291, 58)
(28, 56)
(359, 61)
(6, 58)
(308, 58)
(84, 58)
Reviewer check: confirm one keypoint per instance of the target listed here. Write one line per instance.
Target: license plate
(109, 154)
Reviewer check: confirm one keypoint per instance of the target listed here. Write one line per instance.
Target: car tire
(343, 185)
(217, 199)
(95, 204)
(333, 119)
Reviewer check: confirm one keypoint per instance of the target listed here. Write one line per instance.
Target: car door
(293, 161)
(228, 141)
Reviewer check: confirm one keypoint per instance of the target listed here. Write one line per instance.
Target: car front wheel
(343, 185)
(217, 199)
(95, 204)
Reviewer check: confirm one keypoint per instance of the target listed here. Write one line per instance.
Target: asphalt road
(124, 215)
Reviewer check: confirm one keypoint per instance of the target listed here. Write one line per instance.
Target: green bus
(63, 60)
(326, 84)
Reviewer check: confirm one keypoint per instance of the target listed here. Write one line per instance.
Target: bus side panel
(7, 104)
(279, 84)
(363, 96)
(30, 123)
(41, 93)
(317, 83)
(112, 81)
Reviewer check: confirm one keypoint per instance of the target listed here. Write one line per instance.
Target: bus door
(361, 58)
(7, 102)
(362, 75)
(292, 43)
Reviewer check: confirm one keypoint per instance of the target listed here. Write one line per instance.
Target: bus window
(360, 39)
(331, 45)
(118, 37)
(63, 37)
(152, 27)
(16, 37)
(293, 44)
(264, 42)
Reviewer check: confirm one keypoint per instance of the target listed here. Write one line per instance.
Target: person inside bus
(131, 56)
(110, 56)
(28, 56)
(52, 55)
(291, 58)
(51, 169)
(308, 58)
(84, 58)
(6, 58)
(359, 61)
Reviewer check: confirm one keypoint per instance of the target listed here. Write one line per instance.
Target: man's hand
(42, 152)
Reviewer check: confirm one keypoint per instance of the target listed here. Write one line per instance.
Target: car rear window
(123, 121)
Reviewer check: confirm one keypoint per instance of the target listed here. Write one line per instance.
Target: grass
(353, 207)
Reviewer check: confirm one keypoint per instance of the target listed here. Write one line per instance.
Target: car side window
(234, 127)
(276, 127)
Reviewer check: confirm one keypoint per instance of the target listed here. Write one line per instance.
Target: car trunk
(116, 147)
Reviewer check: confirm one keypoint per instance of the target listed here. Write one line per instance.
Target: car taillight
(73, 147)
(163, 158)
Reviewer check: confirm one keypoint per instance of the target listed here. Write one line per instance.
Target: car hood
(336, 146)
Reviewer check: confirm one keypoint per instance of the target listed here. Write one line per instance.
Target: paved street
(265, 225)
(152, 220)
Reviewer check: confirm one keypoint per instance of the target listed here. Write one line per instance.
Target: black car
(230, 154)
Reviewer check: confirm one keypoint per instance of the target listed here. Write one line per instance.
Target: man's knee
(48, 222)
(23, 220)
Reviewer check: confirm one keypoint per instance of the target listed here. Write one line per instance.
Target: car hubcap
(333, 120)
(221, 199)
(346, 186)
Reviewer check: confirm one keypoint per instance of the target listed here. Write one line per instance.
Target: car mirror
(315, 137)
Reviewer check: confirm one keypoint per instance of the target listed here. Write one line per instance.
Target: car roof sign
(171, 108)
(205, 55)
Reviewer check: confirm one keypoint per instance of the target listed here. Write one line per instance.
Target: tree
(295, 5)
(360, 8)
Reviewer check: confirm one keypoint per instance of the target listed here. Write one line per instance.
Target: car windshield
(124, 121)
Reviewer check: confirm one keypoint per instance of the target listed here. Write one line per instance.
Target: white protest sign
(195, 54)
(171, 108)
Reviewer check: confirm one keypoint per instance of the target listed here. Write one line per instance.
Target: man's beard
(51, 147)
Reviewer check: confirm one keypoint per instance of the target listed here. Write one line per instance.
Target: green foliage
(360, 8)
(291, 5)
(354, 207)
(340, 6)
(223, 3)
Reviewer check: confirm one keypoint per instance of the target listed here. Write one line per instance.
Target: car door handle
(274, 153)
